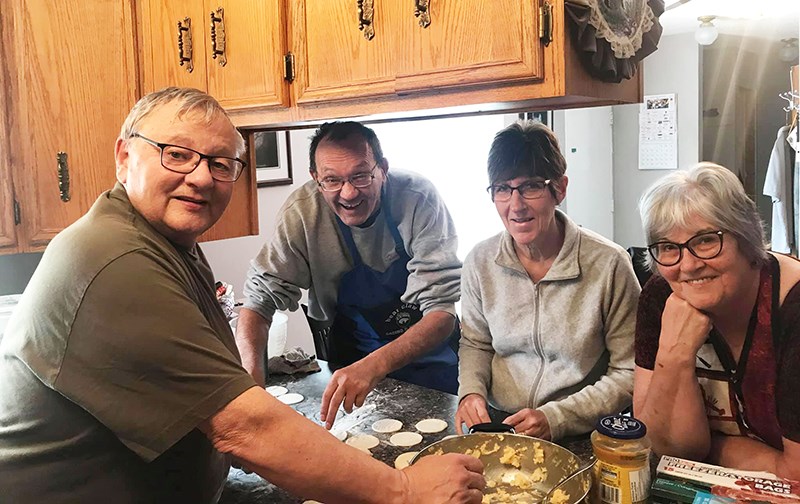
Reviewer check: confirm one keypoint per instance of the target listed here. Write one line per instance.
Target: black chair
(639, 259)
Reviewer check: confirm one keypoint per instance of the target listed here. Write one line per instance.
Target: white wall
(673, 68)
(230, 259)
(586, 141)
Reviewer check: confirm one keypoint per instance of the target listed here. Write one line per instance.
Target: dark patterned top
(758, 396)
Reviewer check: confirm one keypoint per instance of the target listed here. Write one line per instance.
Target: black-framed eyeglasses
(359, 180)
(533, 189)
(706, 245)
(184, 160)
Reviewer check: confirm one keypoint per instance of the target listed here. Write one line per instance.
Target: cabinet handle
(218, 36)
(365, 13)
(421, 11)
(63, 176)
(546, 23)
(185, 47)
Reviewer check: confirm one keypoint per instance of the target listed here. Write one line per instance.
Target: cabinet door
(161, 52)
(8, 231)
(333, 58)
(254, 45)
(469, 42)
(73, 92)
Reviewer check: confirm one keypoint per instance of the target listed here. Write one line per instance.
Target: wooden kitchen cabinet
(468, 42)
(8, 230)
(252, 34)
(473, 57)
(71, 82)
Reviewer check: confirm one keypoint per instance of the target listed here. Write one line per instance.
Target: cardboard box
(681, 481)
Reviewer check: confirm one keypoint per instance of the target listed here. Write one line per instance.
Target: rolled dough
(363, 441)
(405, 439)
(430, 425)
(385, 425)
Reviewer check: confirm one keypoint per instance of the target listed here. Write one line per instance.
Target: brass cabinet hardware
(17, 214)
(288, 67)
(218, 36)
(421, 11)
(185, 44)
(63, 176)
(366, 11)
(546, 23)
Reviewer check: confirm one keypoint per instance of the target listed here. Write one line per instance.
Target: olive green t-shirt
(117, 351)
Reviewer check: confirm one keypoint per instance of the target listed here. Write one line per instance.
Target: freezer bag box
(685, 481)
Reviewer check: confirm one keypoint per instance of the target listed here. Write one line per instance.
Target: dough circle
(404, 459)
(363, 441)
(405, 439)
(386, 425)
(290, 398)
(277, 390)
(430, 425)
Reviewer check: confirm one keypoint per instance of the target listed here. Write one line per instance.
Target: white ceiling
(769, 19)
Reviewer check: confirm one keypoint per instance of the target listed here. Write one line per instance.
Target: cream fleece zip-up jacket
(564, 344)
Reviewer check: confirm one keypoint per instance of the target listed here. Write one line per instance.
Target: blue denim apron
(370, 314)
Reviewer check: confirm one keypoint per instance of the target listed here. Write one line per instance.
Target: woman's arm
(668, 398)
(475, 351)
(670, 404)
(744, 453)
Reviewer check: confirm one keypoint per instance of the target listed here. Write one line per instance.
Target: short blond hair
(189, 100)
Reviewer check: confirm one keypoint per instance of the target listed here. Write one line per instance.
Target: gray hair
(189, 100)
(709, 192)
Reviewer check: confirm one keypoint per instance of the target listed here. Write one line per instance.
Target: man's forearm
(289, 451)
(252, 332)
(430, 332)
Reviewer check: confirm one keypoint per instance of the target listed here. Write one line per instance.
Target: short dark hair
(340, 130)
(525, 149)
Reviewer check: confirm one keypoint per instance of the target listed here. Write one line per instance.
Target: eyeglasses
(184, 160)
(707, 245)
(531, 190)
(359, 180)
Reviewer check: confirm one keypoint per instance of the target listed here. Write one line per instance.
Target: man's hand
(451, 478)
(530, 422)
(471, 410)
(349, 387)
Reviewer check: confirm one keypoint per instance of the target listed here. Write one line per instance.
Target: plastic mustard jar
(622, 471)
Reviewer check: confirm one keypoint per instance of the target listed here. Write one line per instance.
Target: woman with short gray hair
(718, 328)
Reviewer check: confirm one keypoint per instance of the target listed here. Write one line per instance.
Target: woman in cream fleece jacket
(548, 308)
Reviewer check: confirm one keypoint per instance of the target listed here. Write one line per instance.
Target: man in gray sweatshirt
(377, 253)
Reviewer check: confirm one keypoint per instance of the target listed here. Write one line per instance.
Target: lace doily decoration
(614, 35)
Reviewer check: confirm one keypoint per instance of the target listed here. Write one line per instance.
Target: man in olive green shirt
(119, 375)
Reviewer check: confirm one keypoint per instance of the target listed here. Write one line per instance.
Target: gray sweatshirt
(563, 345)
(307, 251)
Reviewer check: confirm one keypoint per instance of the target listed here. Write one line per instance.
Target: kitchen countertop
(390, 399)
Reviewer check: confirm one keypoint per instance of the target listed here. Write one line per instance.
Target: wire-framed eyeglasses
(533, 189)
(179, 159)
(706, 245)
(359, 180)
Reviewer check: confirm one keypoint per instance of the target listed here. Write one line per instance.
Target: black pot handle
(491, 427)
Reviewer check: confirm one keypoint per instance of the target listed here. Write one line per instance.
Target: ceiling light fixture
(706, 33)
(788, 51)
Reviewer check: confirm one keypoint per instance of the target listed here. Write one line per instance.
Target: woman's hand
(471, 410)
(684, 330)
(530, 422)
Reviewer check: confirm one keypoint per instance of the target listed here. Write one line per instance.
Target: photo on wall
(271, 156)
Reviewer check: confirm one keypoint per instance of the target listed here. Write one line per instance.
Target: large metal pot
(500, 452)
